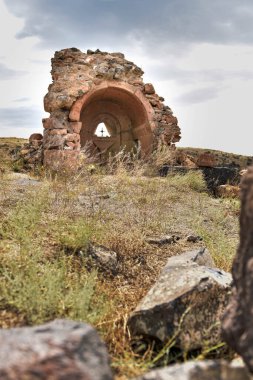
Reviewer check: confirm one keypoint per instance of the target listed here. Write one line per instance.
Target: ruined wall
(93, 87)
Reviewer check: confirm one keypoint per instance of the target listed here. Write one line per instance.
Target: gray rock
(185, 304)
(24, 179)
(89, 200)
(205, 370)
(104, 258)
(167, 239)
(194, 238)
(59, 350)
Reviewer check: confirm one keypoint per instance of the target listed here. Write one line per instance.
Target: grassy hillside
(223, 158)
(47, 226)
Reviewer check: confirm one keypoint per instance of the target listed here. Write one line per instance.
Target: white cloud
(21, 78)
(198, 54)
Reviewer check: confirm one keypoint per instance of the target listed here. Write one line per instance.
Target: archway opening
(102, 131)
(123, 117)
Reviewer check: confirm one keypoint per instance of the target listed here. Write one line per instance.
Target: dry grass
(44, 227)
(7, 145)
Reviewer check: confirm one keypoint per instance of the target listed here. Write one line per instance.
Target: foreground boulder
(205, 370)
(58, 350)
(186, 303)
(238, 319)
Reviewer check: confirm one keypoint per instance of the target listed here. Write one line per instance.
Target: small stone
(35, 137)
(194, 238)
(75, 126)
(36, 143)
(104, 258)
(53, 132)
(24, 152)
(73, 137)
(149, 89)
(70, 144)
(118, 55)
(163, 240)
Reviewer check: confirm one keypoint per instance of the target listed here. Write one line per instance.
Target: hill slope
(223, 158)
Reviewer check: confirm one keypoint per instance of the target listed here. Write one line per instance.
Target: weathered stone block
(75, 126)
(35, 137)
(61, 160)
(53, 142)
(53, 132)
(149, 89)
(73, 137)
(55, 101)
(53, 123)
(186, 302)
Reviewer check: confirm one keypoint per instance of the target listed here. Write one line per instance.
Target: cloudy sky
(197, 53)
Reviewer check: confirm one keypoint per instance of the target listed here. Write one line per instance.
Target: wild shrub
(44, 290)
(44, 286)
(192, 180)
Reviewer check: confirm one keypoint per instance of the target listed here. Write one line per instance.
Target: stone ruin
(99, 87)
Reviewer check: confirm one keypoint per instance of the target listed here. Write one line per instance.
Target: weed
(39, 285)
(44, 290)
(192, 180)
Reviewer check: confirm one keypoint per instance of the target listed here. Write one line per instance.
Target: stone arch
(93, 87)
(126, 113)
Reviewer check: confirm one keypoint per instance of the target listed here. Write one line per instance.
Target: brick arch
(124, 109)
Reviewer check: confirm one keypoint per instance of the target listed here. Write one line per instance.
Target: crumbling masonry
(98, 87)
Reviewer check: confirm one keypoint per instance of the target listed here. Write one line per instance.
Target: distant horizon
(177, 146)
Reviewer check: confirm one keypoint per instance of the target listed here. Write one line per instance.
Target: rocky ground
(222, 158)
(95, 247)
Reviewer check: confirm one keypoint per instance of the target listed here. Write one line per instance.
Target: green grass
(44, 228)
(33, 281)
(44, 290)
(220, 233)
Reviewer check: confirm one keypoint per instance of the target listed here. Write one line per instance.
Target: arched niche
(126, 113)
